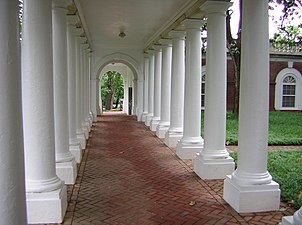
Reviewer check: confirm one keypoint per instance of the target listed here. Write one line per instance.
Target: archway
(128, 86)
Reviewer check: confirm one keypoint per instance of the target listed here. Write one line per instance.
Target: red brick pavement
(128, 176)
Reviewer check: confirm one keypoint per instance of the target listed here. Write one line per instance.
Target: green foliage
(285, 168)
(112, 88)
(285, 128)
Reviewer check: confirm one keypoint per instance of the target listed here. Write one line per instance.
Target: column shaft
(146, 77)
(192, 142)
(80, 132)
(150, 90)
(253, 118)
(74, 144)
(175, 131)
(157, 88)
(12, 186)
(65, 162)
(164, 122)
(93, 98)
(42, 184)
(214, 161)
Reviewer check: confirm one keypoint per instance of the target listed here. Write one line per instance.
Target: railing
(285, 48)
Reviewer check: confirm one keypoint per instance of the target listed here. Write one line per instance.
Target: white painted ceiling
(139, 19)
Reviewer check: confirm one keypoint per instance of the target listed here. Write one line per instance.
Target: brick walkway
(129, 177)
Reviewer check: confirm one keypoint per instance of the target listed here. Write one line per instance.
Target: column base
(82, 139)
(154, 123)
(287, 220)
(213, 168)
(67, 171)
(187, 149)
(85, 131)
(148, 120)
(144, 115)
(76, 151)
(172, 137)
(46, 207)
(161, 130)
(251, 198)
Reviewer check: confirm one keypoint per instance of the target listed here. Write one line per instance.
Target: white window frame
(279, 89)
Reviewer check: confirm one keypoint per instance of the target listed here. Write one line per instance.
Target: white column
(296, 219)
(150, 88)
(46, 194)
(140, 98)
(74, 143)
(164, 122)
(251, 188)
(93, 98)
(80, 132)
(91, 93)
(192, 142)
(157, 87)
(175, 131)
(88, 122)
(214, 161)
(65, 162)
(146, 77)
(85, 126)
(12, 194)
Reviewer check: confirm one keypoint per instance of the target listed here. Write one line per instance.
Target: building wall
(276, 65)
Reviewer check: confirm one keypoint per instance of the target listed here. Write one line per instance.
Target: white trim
(278, 89)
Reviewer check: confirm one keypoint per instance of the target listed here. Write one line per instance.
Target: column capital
(73, 19)
(157, 48)
(190, 24)
(165, 42)
(217, 7)
(177, 34)
(150, 52)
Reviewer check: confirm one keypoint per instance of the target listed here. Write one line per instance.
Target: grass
(285, 128)
(285, 168)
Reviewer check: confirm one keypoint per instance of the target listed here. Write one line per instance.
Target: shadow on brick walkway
(128, 176)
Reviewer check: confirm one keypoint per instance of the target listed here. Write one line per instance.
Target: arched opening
(122, 100)
(112, 88)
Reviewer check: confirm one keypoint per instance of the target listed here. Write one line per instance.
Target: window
(203, 87)
(289, 91)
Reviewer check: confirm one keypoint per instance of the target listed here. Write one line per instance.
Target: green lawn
(285, 128)
(285, 168)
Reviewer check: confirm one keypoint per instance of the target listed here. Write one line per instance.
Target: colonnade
(247, 186)
(56, 101)
(55, 117)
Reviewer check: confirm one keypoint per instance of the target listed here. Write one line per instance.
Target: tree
(292, 9)
(112, 88)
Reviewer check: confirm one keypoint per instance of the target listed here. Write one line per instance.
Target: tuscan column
(296, 219)
(80, 132)
(46, 194)
(175, 130)
(74, 143)
(214, 161)
(85, 126)
(65, 162)
(12, 194)
(146, 77)
(93, 97)
(251, 188)
(157, 87)
(88, 120)
(164, 122)
(191, 142)
(139, 98)
(150, 88)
